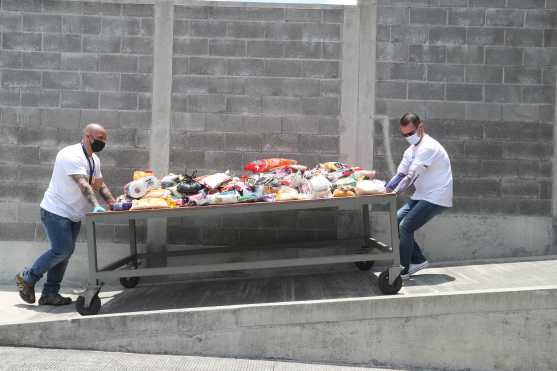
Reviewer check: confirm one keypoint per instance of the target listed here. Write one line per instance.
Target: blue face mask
(413, 139)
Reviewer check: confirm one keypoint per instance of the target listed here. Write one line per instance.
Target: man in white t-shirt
(426, 165)
(69, 196)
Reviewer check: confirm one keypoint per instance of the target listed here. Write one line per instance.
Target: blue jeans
(412, 217)
(62, 233)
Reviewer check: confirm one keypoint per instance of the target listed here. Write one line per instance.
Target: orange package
(261, 166)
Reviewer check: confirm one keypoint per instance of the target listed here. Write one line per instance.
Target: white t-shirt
(435, 183)
(63, 196)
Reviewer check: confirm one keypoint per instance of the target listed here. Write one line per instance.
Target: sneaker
(405, 277)
(54, 299)
(26, 291)
(416, 267)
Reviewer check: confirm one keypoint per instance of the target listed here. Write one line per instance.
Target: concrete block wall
(482, 75)
(64, 64)
(252, 82)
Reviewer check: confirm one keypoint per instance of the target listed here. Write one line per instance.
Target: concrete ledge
(503, 329)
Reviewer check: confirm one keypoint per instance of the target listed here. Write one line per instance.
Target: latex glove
(99, 209)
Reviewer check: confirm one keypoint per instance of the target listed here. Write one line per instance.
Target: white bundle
(370, 187)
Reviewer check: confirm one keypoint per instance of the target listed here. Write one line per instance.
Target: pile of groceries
(271, 180)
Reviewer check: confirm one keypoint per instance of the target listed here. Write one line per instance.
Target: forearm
(89, 194)
(105, 193)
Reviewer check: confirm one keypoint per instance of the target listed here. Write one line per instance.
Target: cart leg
(133, 242)
(396, 268)
(367, 227)
(94, 285)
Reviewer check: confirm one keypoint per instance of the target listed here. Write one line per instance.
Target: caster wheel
(129, 282)
(93, 308)
(387, 288)
(364, 266)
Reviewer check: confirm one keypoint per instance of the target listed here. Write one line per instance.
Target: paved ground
(290, 288)
(31, 359)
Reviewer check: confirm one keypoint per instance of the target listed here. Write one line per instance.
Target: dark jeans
(62, 233)
(412, 217)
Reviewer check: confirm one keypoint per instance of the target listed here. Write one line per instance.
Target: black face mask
(97, 145)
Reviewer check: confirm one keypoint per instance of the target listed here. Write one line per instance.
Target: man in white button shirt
(426, 165)
(69, 196)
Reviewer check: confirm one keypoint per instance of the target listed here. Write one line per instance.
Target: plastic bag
(320, 184)
(349, 181)
(138, 174)
(344, 192)
(138, 188)
(157, 193)
(260, 166)
(370, 187)
(365, 174)
(149, 203)
(286, 194)
(216, 180)
(223, 198)
(170, 180)
(322, 195)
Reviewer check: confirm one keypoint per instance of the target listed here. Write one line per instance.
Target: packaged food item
(223, 198)
(370, 187)
(349, 181)
(260, 166)
(321, 195)
(170, 180)
(216, 180)
(149, 203)
(320, 184)
(286, 194)
(344, 192)
(157, 193)
(121, 205)
(365, 174)
(138, 188)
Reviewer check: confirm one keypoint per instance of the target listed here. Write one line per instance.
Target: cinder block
(523, 75)
(208, 66)
(101, 81)
(393, 15)
(136, 82)
(396, 52)
(12, 231)
(302, 31)
(62, 43)
(8, 211)
(527, 151)
(241, 104)
(540, 57)
(400, 71)
(321, 106)
(145, 64)
(535, 207)
(191, 12)
(144, 101)
(446, 110)
(447, 35)
(60, 118)
(140, 120)
(246, 67)
(188, 159)
(79, 62)
(39, 60)
(521, 37)
(428, 15)
(319, 143)
(281, 143)
(427, 54)
(549, 76)
(467, 17)
(332, 50)
(46, 137)
(301, 49)
(191, 46)
(10, 97)
(224, 85)
(21, 41)
(483, 111)
(117, 63)
(243, 142)
(300, 124)
(137, 45)
(484, 73)
(464, 92)
(179, 65)
(505, 17)
(485, 36)
(42, 23)
(521, 112)
(303, 15)
(502, 93)
(321, 69)
(391, 89)
(285, 68)
(224, 123)
(62, 7)
(79, 99)
(443, 72)
(538, 94)
(10, 22)
(40, 98)
(330, 88)
(22, 5)
(190, 84)
(383, 33)
(246, 30)
(147, 27)
(109, 119)
(265, 49)
(123, 101)
(205, 141)
(208, 28)
(229, 48)
(333, 15)
(212, 103)
(120, 26)
(282, 105)
(223, 160)
(504, 55)
(179, 103)
(552, 4)
(409, 34)
(465, 54)
(30, 173)
(102, 9)
(425, 91)
(21, 116)
(61, 80)
(541, 18)
(247, 13)
(183, 28)
(138, 10)
(526, 4)
(100, 44)
(550, 38)
(475, 187)
(20, 78)
(10, 59)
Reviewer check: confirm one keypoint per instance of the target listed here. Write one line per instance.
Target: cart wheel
(129, 282)
(93, 308)
(364, 266)
(384, 285)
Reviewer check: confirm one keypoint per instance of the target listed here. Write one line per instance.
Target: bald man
(70, 195)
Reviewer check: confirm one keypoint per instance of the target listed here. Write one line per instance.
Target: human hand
(99, 209)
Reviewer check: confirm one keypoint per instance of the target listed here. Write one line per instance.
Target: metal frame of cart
(372, 250)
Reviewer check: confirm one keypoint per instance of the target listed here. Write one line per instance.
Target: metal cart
(129, 269)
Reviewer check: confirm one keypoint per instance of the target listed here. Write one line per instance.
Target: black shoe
(54, 299)
(26, 291)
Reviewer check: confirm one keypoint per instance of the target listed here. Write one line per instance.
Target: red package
(261, 166)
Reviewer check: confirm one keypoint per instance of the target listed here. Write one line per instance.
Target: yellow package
(149, 203)
(138, 174)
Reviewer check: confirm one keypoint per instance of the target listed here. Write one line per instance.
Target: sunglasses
(412, 132)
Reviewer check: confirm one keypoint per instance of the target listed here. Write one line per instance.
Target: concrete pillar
(554, 175)
(159, 152)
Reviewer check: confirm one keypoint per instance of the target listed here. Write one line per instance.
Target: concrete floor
(32, 359)
(356, 284)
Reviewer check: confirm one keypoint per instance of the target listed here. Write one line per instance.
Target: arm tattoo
(86, 189)
(106, 194)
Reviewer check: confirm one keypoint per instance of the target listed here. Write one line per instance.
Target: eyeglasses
(412, 132)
